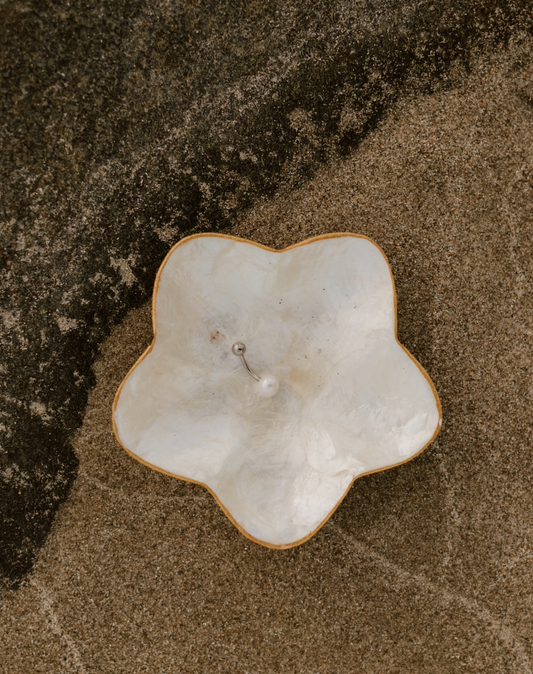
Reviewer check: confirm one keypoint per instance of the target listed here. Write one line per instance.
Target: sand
(424, 568)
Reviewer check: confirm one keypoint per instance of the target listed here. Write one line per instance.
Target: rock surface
(126, 126)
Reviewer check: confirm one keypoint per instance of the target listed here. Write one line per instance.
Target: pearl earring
(268, 385)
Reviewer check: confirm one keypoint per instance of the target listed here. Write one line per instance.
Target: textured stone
(126, 125)
(424, 568)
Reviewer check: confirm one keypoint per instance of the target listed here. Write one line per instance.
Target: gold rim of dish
(243, 531)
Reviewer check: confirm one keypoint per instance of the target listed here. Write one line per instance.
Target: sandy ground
(424, 568)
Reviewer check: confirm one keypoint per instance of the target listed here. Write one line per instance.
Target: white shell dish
(320, 317)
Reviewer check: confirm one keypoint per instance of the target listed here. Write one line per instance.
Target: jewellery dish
(320, 319)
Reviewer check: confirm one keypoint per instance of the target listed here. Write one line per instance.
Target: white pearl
(268, 385)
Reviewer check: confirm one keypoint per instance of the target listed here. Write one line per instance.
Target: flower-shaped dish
(321, 317)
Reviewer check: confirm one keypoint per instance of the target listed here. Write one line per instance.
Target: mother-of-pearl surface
(321, 318)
